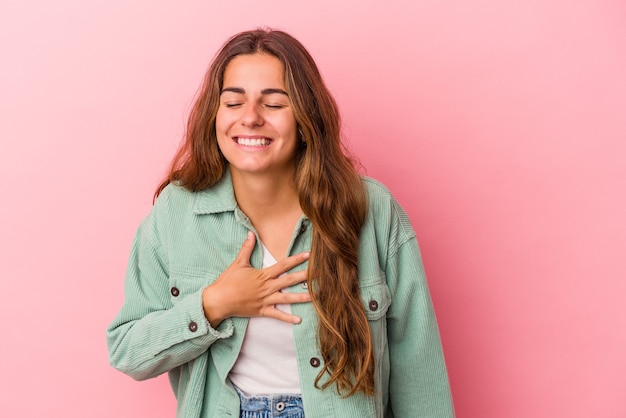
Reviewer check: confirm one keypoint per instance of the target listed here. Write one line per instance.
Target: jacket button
(373, 305)
(193, 327)
(304, 285)
(315, 362)
(302, 228)
(174, 291)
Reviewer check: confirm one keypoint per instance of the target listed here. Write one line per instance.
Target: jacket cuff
(195, 326)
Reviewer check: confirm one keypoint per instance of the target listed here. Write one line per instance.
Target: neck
(262, 197)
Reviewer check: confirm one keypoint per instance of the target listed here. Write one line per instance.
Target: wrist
(212, 311)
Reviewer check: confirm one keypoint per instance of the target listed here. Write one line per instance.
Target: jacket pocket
(376, 299)
(181, 286)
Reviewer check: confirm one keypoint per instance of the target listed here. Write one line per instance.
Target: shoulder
(375, 187)
(181, 202)
(385, 209)
(174, 191)
(173, 198)
(379, 196)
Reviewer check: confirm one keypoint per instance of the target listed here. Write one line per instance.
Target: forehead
(259, 69)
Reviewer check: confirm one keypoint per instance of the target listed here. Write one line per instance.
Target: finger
(290, 279)
(276, 284)
(246, 249)
(288, 263)
(282, 298)
(272, 312)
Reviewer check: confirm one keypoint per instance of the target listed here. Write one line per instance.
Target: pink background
(499, 125)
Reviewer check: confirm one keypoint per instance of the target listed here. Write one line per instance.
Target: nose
(251, 116)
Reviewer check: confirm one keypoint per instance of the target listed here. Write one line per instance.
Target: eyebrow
(264, 92)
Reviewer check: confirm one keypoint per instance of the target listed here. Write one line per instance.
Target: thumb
(246, 249)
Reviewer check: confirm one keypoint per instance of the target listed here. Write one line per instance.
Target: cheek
(221, 131)
(220, 123)
(223, 126)
(288, 126)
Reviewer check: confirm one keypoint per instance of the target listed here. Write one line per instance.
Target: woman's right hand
(244, 291)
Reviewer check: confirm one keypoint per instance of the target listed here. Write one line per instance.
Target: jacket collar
(218, 198)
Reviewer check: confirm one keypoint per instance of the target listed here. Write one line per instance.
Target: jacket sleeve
(418, 381)
(150, 335)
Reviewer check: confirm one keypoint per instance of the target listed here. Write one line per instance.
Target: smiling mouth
(253, 142)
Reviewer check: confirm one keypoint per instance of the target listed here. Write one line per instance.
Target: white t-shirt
(267, 361)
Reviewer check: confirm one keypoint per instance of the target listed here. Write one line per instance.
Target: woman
(341, 325)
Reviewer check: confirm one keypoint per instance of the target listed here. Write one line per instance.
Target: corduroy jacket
(189, 239)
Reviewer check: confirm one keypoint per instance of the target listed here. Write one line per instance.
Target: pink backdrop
(500, 126)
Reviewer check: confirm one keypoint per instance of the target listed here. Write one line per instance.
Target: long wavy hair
(330, 192)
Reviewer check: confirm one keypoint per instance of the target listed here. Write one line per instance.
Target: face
(255, 124)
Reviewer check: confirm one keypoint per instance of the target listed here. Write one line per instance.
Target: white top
(267, 360)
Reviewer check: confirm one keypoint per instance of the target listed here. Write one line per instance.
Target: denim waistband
(270, 406)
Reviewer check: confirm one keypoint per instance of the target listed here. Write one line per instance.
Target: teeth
(253, 142)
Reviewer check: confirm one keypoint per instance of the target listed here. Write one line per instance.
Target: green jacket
(189, 239)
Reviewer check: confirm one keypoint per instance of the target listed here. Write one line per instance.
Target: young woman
(270, 279)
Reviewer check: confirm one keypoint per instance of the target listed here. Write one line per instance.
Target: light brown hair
(330, 192)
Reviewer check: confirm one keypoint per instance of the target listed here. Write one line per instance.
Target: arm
(418, 381)
(150, 335)
(157, 331)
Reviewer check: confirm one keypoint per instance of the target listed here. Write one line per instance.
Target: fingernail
(250, 235)
(306, 255)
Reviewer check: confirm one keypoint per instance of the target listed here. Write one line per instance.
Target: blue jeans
(270, 406)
